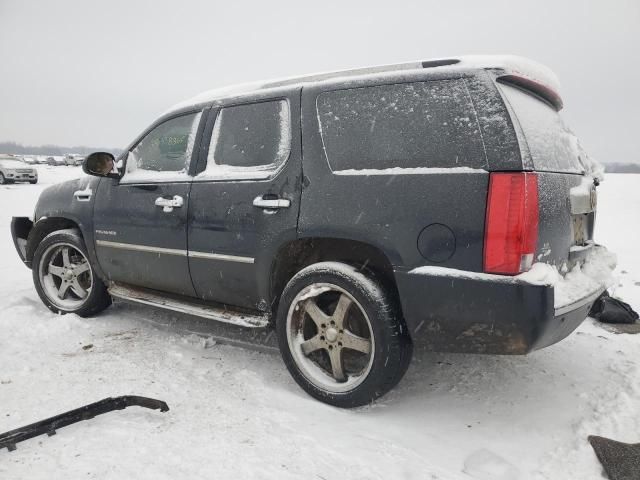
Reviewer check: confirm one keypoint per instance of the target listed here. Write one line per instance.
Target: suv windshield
(552, 145)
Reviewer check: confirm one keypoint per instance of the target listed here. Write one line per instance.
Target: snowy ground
(235, 413)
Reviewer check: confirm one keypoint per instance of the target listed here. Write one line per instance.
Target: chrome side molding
(174, 251)
(140, 248)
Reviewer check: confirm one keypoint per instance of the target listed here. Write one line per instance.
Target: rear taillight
(511, 227)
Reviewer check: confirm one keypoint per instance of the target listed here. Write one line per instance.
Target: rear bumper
(20, 228)
(449, 310)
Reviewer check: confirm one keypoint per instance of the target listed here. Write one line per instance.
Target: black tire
(392, 347)
(3, 181)
(98, 297)
(33, 182)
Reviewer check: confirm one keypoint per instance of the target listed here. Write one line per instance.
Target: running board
(139, 295)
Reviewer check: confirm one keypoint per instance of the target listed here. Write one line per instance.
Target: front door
(141, 219)
(245, 198)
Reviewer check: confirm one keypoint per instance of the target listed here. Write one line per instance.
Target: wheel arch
(297, 254)
(44, 227)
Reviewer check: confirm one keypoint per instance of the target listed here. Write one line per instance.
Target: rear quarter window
(552, 145)
(407, 125)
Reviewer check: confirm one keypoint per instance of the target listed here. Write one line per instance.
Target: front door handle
(168, 204)
(271, 203)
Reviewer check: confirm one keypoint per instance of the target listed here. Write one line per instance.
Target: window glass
(10, 163)
(407, 125)
(552, 145)
(249, 141)
(165, 152)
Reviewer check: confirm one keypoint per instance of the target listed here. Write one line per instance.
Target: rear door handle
(168, 204)
(271, 203)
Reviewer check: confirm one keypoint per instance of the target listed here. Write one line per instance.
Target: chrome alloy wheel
(330, 337)
(65, 276)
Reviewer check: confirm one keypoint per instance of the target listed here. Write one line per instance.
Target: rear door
(245, 198)
(141, 219)
(567, 196)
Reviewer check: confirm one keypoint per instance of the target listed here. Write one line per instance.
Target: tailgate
(567, 195)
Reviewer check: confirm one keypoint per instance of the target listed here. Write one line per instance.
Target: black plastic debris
(50, 425)
(607, 309)
(621, 461)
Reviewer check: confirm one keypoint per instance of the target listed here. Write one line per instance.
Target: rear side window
(552, 145)
(407, 125)
(249, 140)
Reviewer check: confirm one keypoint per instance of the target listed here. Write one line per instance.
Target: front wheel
(341, 335)
(64, 278)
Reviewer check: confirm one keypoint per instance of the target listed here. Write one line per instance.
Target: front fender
(65, 205)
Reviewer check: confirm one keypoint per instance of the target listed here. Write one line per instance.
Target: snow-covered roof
(514, 65)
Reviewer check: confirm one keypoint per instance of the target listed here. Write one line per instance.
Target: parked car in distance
(73, 159)
(56, 161)
(30, 160)
(357, 213)
(13, 170)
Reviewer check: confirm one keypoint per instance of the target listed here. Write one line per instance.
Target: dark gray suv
(358, 213)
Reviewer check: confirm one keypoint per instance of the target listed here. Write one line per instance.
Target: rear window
(407, 125)
(552, 145)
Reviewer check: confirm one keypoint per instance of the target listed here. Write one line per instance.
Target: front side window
(404, 126)
(165, 152)
(249, 141)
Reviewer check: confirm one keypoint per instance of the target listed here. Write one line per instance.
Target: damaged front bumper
(449, 310)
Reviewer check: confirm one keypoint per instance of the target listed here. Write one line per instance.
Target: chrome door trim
(271, 203)
(141, 248)
(168, 204)
(83, 195)
(220, 256)
(174, 251)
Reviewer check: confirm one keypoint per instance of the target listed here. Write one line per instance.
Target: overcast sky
(78, 72)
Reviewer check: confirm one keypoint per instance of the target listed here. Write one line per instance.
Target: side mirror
(101, 164)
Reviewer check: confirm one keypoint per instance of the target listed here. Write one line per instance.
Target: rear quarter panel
(389, 211)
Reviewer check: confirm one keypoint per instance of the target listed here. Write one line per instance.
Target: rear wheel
(64, 278)
(341, 335)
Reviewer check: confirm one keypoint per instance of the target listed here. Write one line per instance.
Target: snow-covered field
(236, 413)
